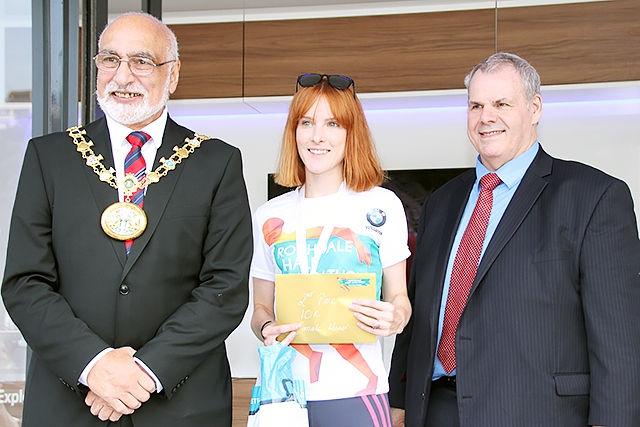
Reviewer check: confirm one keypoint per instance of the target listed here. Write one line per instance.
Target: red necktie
(464, 270)
(134, 164)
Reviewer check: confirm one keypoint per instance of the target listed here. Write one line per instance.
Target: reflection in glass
(15, 131)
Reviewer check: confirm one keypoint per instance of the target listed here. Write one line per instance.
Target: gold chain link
(130, 184)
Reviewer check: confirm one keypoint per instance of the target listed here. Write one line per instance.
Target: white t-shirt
(369, 234)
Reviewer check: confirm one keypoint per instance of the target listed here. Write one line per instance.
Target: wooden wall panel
(575, 43)
(211, 56)
(571, 43)
(241, 400)
(382, 53)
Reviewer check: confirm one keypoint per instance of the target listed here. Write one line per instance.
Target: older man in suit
(129, 253)
(526, 288)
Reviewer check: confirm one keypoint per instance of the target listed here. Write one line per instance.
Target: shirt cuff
(85, 372)
(150, 373)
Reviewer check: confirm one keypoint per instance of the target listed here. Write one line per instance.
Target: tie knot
(137, 138)
(490, 181)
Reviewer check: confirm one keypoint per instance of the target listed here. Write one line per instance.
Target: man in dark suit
(129, 328)
(548, 327)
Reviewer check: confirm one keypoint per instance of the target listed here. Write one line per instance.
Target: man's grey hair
(529, 76)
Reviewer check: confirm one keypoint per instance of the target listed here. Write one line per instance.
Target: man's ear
(175, 76)
(536, 108)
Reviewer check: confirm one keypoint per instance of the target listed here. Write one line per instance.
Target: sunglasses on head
(336, 81)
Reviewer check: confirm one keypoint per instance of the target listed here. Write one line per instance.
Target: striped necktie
(134, 164)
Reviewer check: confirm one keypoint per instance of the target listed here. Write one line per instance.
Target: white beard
(130, 114)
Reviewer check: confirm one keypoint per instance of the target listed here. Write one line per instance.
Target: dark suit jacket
(72, 291)
(550, 335)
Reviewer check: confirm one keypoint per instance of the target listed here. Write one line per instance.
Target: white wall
(596, 124)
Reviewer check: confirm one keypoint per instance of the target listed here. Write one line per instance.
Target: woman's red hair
(361, 166)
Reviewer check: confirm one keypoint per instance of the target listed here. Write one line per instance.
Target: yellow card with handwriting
(320, 302)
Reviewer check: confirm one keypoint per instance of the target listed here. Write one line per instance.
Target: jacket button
(124, 289)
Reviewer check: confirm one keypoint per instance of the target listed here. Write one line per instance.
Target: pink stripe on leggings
(372, 412)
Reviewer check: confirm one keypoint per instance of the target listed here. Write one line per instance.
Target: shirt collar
(118, 132)
(510, 173)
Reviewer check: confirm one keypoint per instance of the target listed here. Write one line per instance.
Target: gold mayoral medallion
(126, 220)
(123, 220)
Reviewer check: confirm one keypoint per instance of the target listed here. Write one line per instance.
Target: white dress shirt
(120, 148)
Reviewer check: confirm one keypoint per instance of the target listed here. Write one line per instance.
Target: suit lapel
(104, 194)
(530, 188)
(446, 217)
(452, 212)
(158, 194)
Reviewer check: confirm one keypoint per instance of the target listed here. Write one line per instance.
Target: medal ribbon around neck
(323, 240)
(126, 220)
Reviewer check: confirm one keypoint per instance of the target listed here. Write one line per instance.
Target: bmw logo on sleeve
(376, 217)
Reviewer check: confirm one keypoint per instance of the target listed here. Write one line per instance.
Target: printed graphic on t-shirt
(365, 231)
(346, 251)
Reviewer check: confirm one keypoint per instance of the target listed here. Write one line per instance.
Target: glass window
(15, 131)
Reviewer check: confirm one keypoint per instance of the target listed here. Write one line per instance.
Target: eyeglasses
(336, 81)
(138, 65)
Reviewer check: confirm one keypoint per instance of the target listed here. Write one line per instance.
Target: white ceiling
(192, 11)
(181, 5)
(120, 6)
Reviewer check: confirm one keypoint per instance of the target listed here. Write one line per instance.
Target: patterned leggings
(365, 411)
